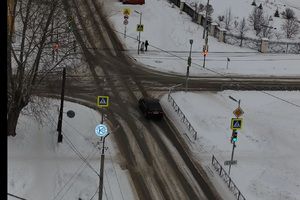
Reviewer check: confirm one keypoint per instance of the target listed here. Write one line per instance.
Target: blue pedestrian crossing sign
(102, 101)
(236, 123)
(101, 130)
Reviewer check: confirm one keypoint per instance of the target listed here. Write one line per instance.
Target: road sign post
(125, 22)
(126, 13)
(101, 131)
(140, 13)
(228, 60)
(102, 102)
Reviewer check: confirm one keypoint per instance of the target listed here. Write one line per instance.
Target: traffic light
(234, 136)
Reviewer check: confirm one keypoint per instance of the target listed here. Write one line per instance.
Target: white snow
(39, 168)
(167, 30)
(267, 149)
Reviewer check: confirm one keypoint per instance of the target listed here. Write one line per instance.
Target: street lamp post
(140, 13)
(188, 66)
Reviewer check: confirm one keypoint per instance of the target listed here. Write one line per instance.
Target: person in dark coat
(146, 45)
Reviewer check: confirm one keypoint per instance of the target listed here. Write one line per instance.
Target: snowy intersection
(267, 150)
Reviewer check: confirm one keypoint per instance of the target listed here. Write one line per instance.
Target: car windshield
(154, 105)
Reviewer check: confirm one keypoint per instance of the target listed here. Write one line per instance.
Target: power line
(95, 193)
(17, 197)
(73, 147)
(215, 72)
(108, 184)
(84, 162)
(77, 172)
(114, 169)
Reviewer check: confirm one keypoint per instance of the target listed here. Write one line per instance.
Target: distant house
(133, 1)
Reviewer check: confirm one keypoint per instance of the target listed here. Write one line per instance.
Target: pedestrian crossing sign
(140, 27)
(102, 101)
(236, 123)
(126, 11)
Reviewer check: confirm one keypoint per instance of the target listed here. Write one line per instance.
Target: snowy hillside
(169, 32)
(243, 8)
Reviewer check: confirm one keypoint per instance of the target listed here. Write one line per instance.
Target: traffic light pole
(188, 66)
(205, 33)
(231, 160)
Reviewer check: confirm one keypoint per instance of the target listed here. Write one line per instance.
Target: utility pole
(205, 21)
(205, 32)
(102, 168)
(60, 117)
(140, 13)
(188, 66)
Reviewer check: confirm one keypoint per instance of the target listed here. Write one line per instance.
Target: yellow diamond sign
(238, 112)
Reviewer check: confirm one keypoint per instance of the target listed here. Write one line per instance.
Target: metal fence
(246, 42)
(189, 10)
(176, 2)
(252, 43)
(284, 47)
(218, 167)
(273, 47)
(182, 116)
(223, 174)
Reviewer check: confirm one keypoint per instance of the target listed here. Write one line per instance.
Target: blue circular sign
(101, 130)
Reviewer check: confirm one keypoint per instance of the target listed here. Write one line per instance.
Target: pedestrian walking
(142, 47)
(146, 45)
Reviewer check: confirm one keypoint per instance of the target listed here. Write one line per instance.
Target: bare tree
(243, 28)
(39, 26)
(256, 18)
(266, 27)
(291, 27)
(289, 13)
(210, 11)
(228, 19)
(278, 35)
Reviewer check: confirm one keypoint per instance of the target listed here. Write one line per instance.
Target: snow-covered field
(39, 168)
(167, 30)
(267, 152)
